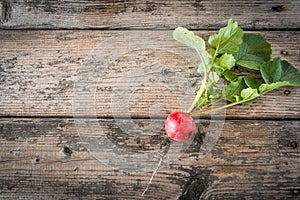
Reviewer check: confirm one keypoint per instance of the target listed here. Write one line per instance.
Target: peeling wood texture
(82, 106)
(252, 159)
(40, 69)
(159, 14)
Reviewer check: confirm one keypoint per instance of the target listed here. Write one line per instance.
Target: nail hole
(37, 159)
(278, 8)
(138, 141)
(284, 52)
(293, 144)
(295, 191)
(67, 151)
(287, 92)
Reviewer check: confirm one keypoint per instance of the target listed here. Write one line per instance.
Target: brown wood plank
(46, 158)
(132, 14)
(43, 74)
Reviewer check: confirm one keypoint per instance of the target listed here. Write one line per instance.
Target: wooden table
(70, 77)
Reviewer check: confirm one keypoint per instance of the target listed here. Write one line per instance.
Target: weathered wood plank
(46, 158)
(196, 14)
(43, 74)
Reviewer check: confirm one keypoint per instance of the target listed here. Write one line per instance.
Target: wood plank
(66, 73)
(132, 14)
(47, 158)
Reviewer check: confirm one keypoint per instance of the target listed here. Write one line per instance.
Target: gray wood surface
(82, 106)
(39, 70)
(159, 14)
(46, 158)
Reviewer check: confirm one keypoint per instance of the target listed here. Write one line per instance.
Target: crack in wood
(197, 184)
(279, 8)
(5, 11)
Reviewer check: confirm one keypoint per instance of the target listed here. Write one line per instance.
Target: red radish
(216, 63)
(180, 126)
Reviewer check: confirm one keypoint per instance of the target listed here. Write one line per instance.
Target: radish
(228, 49)
(180, 126)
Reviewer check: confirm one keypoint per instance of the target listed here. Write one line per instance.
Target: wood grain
(141, 14)
(59, 73)
(82, 106)
(46, 158)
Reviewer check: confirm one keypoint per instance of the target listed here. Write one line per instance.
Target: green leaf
(190, 39)
(264, 88)
(226, 61)
(213, 77)
(253, 52)
(206, 98)
(211, 51)
(201, 69)
(232, 92)
(280, 71)
(251, 82)
(228, 48)
(213, 92)
(229, 38)
(249, 94)
(203, 101)
(229, 75)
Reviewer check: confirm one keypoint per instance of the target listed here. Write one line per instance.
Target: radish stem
(199, 94)
(221, 107)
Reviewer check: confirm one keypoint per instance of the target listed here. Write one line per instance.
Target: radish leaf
(251, 82)
(229, 49)
(264, 88)
(229, 38)
(249, 94)
(232, 92)
(190, 39)
(229, 75)
(226, 61)
(253, 52)
(280, 71)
